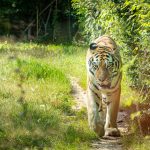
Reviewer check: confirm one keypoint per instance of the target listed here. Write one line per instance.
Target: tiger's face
(103, 65)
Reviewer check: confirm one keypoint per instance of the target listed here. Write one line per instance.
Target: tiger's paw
(112, 132)
(98, 129)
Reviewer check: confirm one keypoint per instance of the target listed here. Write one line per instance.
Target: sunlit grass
(45, 118)
(49, 120)
(74, 65)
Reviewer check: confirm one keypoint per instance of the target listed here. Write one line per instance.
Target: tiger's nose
(102, 77)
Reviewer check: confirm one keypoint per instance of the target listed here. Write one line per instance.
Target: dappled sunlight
(36, 94)
(43, 47)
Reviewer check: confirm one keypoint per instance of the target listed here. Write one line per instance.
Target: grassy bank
(36, 101)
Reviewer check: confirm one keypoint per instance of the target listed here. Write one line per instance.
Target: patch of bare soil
(78, 93)
(104, 143)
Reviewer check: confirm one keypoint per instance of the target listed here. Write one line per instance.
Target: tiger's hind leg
(111, 115)
(95, 116)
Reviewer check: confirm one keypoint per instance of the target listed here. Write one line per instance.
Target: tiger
(103, 63)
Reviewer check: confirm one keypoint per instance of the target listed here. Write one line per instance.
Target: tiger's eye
(93, 46)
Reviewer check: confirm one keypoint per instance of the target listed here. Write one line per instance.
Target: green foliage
(19, 18)
(128, 23)
(98, 18)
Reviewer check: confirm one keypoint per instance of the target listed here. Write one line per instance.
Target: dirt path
(100, 144)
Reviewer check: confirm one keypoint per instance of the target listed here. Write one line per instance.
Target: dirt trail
(100, 144)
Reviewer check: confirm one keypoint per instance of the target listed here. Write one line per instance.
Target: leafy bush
(125, 21)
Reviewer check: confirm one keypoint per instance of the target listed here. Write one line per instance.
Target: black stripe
(96, 55)
(95, 94)
(91, 72)
(97, 104)
(101, 52)
(118, 64)
(95, 86)
(114, 75)
(100, 108)
(107, 55)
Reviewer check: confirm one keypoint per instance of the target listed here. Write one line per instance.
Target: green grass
(74, 65)
(135, 142)
(41, 116)
(45, 119)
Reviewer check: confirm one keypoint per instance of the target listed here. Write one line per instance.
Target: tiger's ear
(93, 46)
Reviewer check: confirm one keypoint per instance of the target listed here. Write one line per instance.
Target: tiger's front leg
(113, 101)
(95, 118)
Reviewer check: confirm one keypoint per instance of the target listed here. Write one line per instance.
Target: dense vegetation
(57, 21)
(40, 20)
(35, 92)
(128, 23)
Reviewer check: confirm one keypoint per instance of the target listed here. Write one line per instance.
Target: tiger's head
(103, 62)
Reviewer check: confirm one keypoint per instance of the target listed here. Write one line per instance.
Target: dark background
(47, 20)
